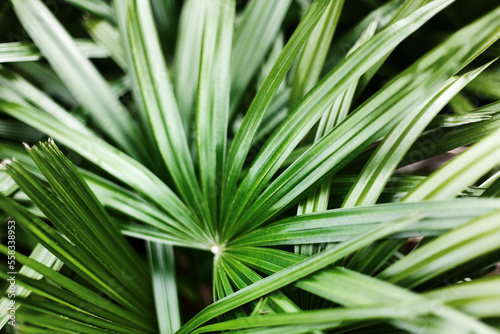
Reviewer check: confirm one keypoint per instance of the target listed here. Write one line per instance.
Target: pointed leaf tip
(5, 163)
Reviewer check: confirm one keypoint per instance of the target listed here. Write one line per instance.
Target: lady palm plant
(302, 189)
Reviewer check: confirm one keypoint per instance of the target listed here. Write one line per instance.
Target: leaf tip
(5, 163)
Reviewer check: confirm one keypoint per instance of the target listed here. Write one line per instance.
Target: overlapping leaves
(186, 182)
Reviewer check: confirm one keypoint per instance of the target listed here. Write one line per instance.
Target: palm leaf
(212, 107)
(20, 52)
(300, 121)
(74, 69)
(241, 170)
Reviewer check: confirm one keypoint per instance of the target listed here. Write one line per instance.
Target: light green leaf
(41, 255)
(452, 250)
(331, 318)
(341, 224)
(116, 198)
(242, 276)
(255, 34)
(27, 92)
(160, 105)
(79, 320)
(367, 124)
(478, 298)
(311, 60)
(166, 13)
(45, 78)
(460, 172)
(187, 58)
(319, 200)
(212, 104)
(251, 123)
(97, 7)
(19, 51)
(353, 289)
(75, 211)
(291, 274)
(486, 85)
(445, 139)
(107, 36)
(391, 151)
(112, 160)
(161, 261)
(80, 76)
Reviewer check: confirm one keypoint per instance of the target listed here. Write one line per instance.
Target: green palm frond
(250, 167)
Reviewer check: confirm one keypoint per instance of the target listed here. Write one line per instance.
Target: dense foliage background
(251, 166)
